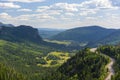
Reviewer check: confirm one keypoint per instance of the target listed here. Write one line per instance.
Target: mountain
(84, 34)
(20, 33)
(113, 38)
(27, 34)
(47, 32)
(6, 25)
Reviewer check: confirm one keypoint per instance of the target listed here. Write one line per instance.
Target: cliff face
(20, 33)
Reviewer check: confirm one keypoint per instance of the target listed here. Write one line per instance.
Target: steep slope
(84, 34)
(20, 34)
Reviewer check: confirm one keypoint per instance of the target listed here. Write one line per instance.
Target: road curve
(111, 71)
(109, 66)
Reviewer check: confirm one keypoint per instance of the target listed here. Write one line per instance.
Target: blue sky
(61, 13)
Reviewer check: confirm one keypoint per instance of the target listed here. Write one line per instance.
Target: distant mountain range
(92, 35)
(27, 34)
(47, 32)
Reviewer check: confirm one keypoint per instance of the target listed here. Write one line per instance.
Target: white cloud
(38, 20)
(91, 18)
(24, 1)
(98, 4)
(69, 14)
(86, 12)
(9, 5)
(25, 10)
(35, 17)
(44, 16)
(116, 2)
(58, 7)
(5, 16)
(52, 12)
(65, 7)
(48, 10)
(27, 17)
(23, 17)
(82, 9)
(42, 8)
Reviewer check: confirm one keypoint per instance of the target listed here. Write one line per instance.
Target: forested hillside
(113, 38)
(31, 60)
(27, 34)
(20, 34)
(34, 62)
(114, 52)
(7, 73)
(84, 34)
(85, 65)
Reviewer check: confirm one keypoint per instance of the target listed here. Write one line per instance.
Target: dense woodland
(85, 65)
(7, 73)
(31, 62)
(113, 51)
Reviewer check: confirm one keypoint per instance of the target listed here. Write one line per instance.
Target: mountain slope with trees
(85, 65)
(33, 61)
(83, 34)
(113, 38)
(7, 73)
(27, 34)
(114, 52)
(20, 34)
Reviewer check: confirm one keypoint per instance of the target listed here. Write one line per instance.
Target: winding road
(109, 66)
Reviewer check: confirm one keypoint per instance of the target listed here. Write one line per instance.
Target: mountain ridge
(20, 33)
(83, 34)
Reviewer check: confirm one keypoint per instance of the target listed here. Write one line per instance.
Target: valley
(59, 39)
(32, 57)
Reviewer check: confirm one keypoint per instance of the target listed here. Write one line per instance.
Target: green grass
(58, 42)
(63, 57)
